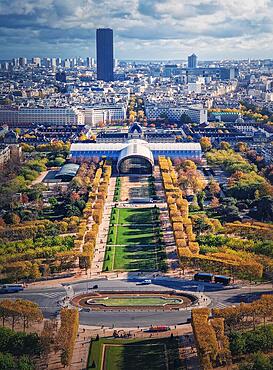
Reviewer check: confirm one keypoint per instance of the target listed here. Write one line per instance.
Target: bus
(203, 276)
(156, 329)
(225, 280)
(210, 278)
(11, 288)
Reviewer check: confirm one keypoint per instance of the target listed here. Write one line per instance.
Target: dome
(136, 157)
(240, 119)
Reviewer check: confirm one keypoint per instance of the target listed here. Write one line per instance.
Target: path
(97, 263)
(170, 245)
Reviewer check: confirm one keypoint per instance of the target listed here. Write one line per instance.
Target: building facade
(192, 61)
(196, 114)
(54, 116)
(114, 150)
(105, 54)
(4, 155)
(93, 116)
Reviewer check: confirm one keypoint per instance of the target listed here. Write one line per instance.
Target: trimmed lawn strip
(132, 354)
(136, 301)
(134, 241)
(124, 235)
(133, 215)
(135, 258)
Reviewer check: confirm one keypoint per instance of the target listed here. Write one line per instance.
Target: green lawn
(134, 258)
(136, 301)
(134, 354)
(133, 235)
(133, 215)
(134, 241)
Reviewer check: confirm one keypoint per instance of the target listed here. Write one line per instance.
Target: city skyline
(162, 30)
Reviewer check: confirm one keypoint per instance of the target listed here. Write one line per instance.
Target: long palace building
(133, 154)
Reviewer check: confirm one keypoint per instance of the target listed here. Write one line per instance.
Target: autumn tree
(213, 187)
(205, 143)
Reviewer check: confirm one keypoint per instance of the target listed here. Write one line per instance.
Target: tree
(67, 334)
(12, 218)
(214, 202)
(213, 187)
(205, 143)
(7, 361)
(53, 201)
(265, 208)
(224, 145)
(241, 146)
(27, 148)
(244, 185)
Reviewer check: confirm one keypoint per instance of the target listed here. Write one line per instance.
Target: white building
(194, 87)
(36, 61)
(197, 114)
(52, 116)
(93, 116)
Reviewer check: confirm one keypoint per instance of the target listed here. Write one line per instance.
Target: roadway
(51, 298)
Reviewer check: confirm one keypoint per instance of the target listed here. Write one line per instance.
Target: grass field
(133, 215)
(134, 241)
(136, 301)
(134, 354)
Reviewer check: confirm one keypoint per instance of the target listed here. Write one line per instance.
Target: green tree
(7, 361)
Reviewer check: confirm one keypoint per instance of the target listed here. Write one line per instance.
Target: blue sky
(143, 29)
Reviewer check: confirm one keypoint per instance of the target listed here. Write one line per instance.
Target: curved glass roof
(69, 169)
(138, 148)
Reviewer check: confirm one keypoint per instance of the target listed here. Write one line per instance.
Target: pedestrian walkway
(172, 257)
(97, 263)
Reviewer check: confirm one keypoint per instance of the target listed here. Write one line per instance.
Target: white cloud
(211, 28)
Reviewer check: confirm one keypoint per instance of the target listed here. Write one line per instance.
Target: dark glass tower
(192, 61)
(105, 54)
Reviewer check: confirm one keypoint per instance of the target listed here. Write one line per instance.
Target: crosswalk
(43, 294)
(219, 305)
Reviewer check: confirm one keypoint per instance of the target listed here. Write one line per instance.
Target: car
(146, 282)
(85, 309)
(95, 286)
(11, 288)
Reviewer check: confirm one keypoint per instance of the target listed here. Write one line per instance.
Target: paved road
(49, 298)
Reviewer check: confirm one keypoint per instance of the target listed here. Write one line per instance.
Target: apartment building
(197, 114)
(95, 115)
(21, 117)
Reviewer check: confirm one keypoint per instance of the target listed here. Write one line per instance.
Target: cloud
(163, 29)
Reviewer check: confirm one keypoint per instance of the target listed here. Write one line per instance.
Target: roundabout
(134, 301)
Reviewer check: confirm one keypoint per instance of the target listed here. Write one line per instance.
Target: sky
(143, 29)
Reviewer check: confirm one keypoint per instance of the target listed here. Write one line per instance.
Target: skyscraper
(192, 61)
(105, 54)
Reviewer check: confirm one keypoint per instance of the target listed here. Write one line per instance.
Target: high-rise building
(36, 61)
(15, 62)
(90, 62)
(53, 62)
(67, 63)
(105, 54)
(22, 62)
(192, 61)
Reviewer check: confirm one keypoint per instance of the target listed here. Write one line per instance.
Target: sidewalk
(97, 263)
